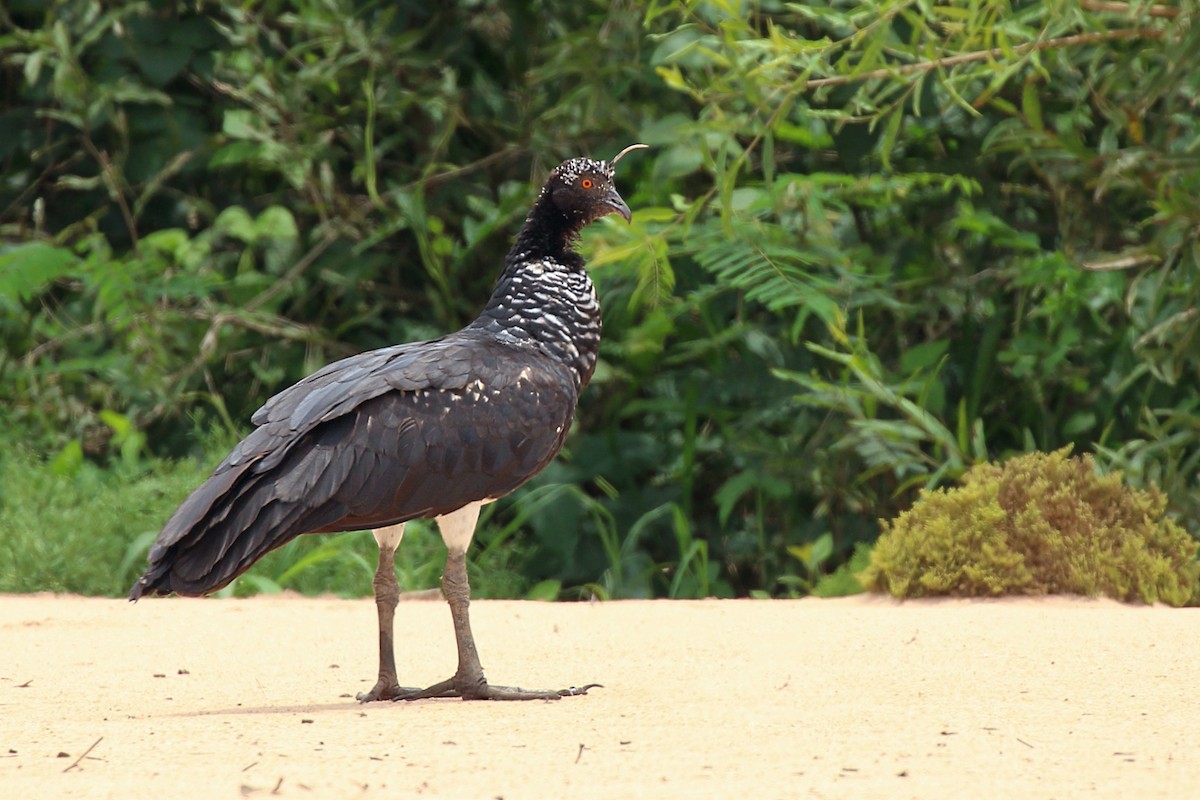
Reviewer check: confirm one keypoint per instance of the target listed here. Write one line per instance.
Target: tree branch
(1155, 10)
(114, 183)
(984, 55)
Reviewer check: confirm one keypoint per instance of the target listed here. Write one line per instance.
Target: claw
(485, 691)
(384, 692)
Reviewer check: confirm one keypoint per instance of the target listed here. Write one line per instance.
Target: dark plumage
(425, 430)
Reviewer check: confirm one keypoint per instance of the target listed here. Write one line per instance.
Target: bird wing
(372, 440)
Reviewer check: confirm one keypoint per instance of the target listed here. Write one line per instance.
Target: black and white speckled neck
(549, 306)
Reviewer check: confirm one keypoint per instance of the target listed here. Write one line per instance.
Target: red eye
(586, 183)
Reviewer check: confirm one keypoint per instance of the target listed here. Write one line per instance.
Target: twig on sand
(83, 755)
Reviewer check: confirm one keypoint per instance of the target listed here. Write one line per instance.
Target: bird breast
(552, 308)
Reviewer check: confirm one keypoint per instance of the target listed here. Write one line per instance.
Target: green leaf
(121, 424)
(811, 136)
(1079, 423)
(1031, 105)
(768, 157)
(33, 66)
(79, 182)
(822, 549)
(923, 356)
(128, 91)
(236, 222)
(242, 123)
(27, 269)
(161, 62)
(732, 491)
(236, 154)
(69, 459)
(168, 241)
(253, 583)
(276, 222)
(547, 590)
(887, 142)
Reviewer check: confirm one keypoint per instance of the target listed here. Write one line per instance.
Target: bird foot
(482, 690)
(385, 690)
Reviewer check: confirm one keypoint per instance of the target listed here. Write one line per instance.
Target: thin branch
(293, 274)
(31, 358)
(275, 327)
(1155, 10)
(151, 187)
(457, 172)
(984, 55)
(114, 184)
(75, 763)
(1121, 262)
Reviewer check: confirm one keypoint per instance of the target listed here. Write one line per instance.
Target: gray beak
(617, 205)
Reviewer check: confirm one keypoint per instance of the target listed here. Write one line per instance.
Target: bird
(425, 430)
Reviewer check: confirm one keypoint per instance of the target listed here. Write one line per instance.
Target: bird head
(582, 189)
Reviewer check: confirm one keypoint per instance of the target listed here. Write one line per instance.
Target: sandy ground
(861, 697)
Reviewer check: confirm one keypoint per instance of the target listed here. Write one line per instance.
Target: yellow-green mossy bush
(1038, 524)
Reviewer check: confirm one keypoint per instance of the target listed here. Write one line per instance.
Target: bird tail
(269, 490)
(229, 522)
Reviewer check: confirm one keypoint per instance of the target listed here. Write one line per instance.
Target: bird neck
(548, 233)
(544, 299)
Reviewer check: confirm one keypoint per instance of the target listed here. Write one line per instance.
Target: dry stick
(983, 55)
(75, 763)
(293, 274)
(1121, 262)
(1155, 10)
(115, 190)
(456, 172)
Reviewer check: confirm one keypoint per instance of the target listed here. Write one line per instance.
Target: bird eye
(586, 183)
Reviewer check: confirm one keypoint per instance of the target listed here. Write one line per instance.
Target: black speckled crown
(569, 171)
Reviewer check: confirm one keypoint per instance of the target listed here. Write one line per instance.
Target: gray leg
(387, 595)
(469, 682)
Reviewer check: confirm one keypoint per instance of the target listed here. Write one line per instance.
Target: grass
(88, 532)
(71, 525)
(73, 533)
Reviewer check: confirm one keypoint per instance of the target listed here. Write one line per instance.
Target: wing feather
(373, 440)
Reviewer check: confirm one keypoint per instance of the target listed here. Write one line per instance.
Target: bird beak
(614, 201)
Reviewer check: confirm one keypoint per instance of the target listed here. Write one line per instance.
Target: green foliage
(1038, 524)
(844, 581)
(990, 192)
(874, 244)
(70, 526)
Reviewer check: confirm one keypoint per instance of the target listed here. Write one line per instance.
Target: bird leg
(387, 596)
(457, 528)
(468, 682)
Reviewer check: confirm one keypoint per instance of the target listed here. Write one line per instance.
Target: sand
(858, 697)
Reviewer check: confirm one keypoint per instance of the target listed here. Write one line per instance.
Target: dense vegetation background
(875, 242)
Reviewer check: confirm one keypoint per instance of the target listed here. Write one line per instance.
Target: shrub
(1038, 524)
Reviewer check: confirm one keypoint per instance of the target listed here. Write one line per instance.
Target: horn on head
(619, 155)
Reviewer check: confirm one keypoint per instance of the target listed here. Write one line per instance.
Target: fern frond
(772, 273)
